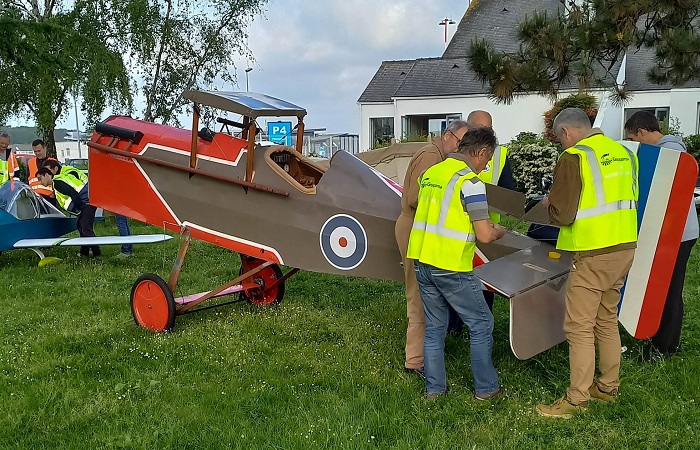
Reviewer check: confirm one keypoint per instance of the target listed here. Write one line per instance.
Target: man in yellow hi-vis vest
(9, 168)
(71, 188)
(594, 201)
(452, 214)
(497, 172)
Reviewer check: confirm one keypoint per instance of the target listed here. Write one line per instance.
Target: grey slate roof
(496, 21)
(386, 81)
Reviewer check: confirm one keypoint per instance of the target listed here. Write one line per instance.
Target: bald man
(498, 172)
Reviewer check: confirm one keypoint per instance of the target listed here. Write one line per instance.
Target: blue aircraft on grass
(28, 221)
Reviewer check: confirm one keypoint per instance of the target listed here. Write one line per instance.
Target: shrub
(23, 172)
(692, 142)
(586, 102)
(531, 157)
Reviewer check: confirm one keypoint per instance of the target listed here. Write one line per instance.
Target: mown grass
(321, 370)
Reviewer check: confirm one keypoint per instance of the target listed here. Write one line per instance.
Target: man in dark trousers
(644, 127)
(71, 188)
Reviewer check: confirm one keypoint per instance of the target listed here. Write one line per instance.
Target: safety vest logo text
(606, 160)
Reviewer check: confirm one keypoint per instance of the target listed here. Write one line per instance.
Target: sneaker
(434, 395)
(561, 409)
(598, 394)
(419, 371)
(491, 395)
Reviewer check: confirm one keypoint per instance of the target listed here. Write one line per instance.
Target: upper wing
(97, 240)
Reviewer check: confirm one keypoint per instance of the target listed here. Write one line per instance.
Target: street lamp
(247, 71)
(446, 23)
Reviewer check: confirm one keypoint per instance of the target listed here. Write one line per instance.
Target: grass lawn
(321, 370)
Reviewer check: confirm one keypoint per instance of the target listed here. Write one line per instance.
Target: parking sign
(280, 132)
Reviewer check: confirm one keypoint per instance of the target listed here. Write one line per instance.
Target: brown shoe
(598, 394)
(561, 409)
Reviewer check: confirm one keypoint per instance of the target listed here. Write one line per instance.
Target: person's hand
(545, 201)
(499, 230)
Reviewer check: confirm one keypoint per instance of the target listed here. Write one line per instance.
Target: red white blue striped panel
(666, 183)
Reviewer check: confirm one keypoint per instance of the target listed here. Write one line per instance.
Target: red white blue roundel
(343, 242)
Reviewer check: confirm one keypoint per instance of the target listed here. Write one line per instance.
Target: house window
(661, 113)
(381, 130)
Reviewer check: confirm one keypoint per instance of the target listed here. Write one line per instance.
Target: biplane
(275, 207)
(28, 221)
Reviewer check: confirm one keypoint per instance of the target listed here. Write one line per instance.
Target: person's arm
(474, 202)
(563, 199)
(415, 170)
(74, 195)
(506, 179)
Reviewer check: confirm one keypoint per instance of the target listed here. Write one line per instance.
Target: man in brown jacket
(426, 157)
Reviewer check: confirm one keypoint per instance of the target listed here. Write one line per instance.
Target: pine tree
(585, 45)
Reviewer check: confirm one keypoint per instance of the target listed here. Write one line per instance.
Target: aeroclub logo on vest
(606, 160)
(343, 242)
(425, 182)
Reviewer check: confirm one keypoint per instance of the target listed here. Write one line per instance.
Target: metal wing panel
(97, 240)
(246, 103)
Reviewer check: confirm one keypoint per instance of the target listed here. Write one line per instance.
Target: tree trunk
(50, 142)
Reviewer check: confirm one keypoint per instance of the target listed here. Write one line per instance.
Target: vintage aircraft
(28, 221)
(276, 207)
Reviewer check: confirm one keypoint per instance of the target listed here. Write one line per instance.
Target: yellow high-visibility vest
(607, 209)
(492, 173)
(67, 176)
(443, 235)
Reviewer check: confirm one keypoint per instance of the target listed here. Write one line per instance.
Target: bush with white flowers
(532, 158)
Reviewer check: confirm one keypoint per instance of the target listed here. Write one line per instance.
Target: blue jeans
(462, 291)
(124, 230)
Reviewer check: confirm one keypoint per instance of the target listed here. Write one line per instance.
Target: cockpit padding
(122, 133)
(294, 167)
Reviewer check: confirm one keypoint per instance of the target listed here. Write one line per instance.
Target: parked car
(78, 163)
(696, 196)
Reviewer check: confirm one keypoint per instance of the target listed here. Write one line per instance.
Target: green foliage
(48, 56)
(322, 370)
(23, 172)
(692, 143)
(415, 138)
(585, 45)
(532, 157)
(583, 101)
(671, 126)
(174, 46)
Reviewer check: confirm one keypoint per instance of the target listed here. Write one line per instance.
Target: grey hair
(571, 117)
(456, 126)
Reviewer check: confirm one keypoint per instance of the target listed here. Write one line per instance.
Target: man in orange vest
(34, 165)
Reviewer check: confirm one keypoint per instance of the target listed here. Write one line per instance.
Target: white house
(421, 96)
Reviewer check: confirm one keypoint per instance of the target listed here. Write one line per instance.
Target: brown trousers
(592, 296)
(415, 334)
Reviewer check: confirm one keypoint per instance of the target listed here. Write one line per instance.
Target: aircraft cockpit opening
(20, 201)
(294, 167)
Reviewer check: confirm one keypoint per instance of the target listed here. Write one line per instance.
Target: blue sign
(280, 132)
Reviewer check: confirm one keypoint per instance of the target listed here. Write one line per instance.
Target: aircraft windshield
(20, 200)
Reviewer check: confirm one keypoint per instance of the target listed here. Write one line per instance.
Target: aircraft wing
(97, 240)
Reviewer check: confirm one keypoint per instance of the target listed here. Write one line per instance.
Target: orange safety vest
(34, 181)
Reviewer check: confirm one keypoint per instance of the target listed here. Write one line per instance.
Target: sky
(321, 54)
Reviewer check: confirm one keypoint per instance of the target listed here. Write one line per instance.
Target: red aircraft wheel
(152, 303)
(265, 277)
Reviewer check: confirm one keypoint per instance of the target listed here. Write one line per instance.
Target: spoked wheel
(264, 278)
(152, 303)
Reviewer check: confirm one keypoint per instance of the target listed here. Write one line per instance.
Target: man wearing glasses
(428, 156)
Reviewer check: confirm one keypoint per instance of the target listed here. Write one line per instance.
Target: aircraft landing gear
(155, 307)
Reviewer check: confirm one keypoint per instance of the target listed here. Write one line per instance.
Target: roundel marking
(343, 242)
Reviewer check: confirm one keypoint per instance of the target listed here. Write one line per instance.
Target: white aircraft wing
(97, 240)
